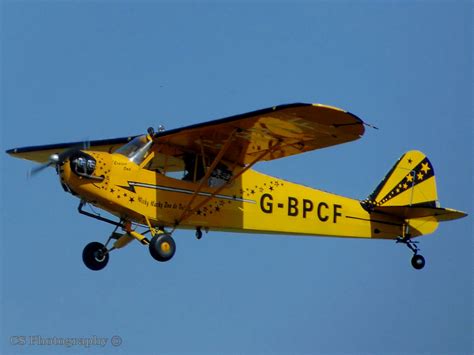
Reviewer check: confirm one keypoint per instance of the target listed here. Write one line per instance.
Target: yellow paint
(141, 238)
(165, 247)
(123, 241)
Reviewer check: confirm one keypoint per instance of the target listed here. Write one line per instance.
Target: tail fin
(408, 191)
(411, 182)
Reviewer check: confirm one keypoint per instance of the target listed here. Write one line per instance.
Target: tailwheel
(418, 261)
(162, 247)
(198, 233)
(95, 256)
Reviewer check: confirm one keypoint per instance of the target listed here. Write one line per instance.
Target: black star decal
(132, 199)
(252, 192)
(217, 209)
(410, 161)
(112, 190)
(271, 188)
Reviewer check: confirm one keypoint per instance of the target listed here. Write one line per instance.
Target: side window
(194, 167)
(220, 176)
(191, 167)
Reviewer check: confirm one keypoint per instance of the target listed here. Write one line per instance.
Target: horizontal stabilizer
(409, 212)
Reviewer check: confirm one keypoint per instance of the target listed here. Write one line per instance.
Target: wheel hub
(99, 255)
(165, 247)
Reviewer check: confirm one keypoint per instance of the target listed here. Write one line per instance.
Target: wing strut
(189, 211)
(209, 171)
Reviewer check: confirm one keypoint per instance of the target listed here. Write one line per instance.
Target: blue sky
(107, 69)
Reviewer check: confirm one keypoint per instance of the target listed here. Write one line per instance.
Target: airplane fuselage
(253, 203)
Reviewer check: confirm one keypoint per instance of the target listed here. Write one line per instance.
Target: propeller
(55, 159)
(52, 160)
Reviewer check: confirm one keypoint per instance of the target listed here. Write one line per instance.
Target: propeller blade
(55, 159)
(36, 170)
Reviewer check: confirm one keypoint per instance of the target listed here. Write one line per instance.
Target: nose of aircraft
(82, 168)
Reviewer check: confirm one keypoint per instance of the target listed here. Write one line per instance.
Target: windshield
(136, 150)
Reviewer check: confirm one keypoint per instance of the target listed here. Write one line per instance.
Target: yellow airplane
(199, 177)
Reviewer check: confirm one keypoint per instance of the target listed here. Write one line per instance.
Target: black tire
(162, 247)
(418, 261)
(95, 256)
(198, 233)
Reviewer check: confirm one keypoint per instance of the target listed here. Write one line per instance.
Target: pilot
(193, 162)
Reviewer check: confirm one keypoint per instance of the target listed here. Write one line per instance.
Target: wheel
(418, 261)
(95, 256)
(198, 233)
(162, 247)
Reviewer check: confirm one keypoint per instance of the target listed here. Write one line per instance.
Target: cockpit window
(137, 149)
(193, 166)
(195, 169)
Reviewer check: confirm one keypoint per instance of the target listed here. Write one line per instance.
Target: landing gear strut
(417, 261)
(96, 255)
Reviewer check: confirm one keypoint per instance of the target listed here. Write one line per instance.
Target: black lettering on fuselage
(266, 207)
(292, 206)
(323, 210)
(325, 217)
(307, 206)
(336, 213)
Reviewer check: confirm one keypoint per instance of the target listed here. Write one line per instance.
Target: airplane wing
(281, 131)
(41, 153)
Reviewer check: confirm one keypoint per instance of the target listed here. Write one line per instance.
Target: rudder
(411, 182)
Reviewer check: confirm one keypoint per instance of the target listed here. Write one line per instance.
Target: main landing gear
(161, 246)
(417, 261)
(95, 256)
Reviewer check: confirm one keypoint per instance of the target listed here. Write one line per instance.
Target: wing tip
(360, 120)
(330, 107)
